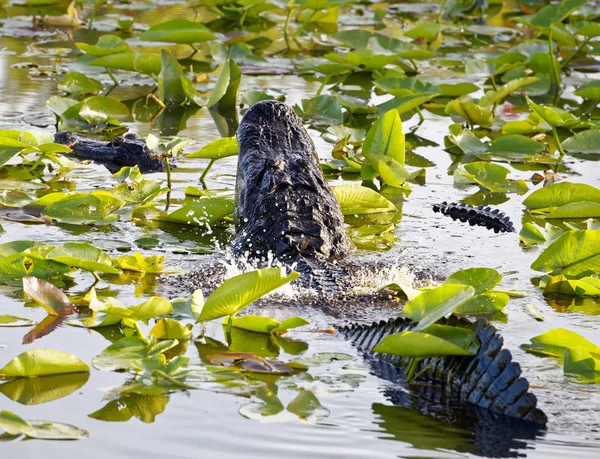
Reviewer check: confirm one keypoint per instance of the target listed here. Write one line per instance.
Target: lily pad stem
(112, 77)
(307, 20)
(204, 174)
(411, 369)
(169, 182)
(172, 380)
(441, 13)
(568, 60)
(557, 140)
(228, 330)
(554, 66)
(286, 25)
(325, 81)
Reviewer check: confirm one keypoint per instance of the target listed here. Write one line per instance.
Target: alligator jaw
(120, 152)
(284, 207)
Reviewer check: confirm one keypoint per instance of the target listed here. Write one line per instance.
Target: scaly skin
(490, 379)
(481, 216)
(284, 208)
(122, 151)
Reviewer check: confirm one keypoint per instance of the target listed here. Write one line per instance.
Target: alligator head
(120, 152)
(283, 204)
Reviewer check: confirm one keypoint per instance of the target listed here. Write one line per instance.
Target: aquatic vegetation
(481, 104)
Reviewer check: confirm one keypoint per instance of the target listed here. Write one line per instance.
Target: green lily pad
(360, 200)
(95, 208)
(575, 254)
(83, 256)
(432, 305)
(178, 31)
(220, 148)
(41, 430)
(202, 212)
(436, 340)
(236, 293)
(43, 362)
(555, 342)
(6, 320)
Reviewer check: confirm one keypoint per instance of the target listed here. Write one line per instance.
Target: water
(356, 418)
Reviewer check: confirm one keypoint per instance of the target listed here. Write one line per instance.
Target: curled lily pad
(434, 304)
(153, 264)
(238, 292)
(358, 200)
(47, 295)
(554, 343)
(41, 430)
(43, 362)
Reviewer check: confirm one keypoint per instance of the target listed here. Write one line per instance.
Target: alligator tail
(326, 277)
(489, 380)
(480, 215)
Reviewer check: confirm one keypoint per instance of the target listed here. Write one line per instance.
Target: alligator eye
(131, 136)
(117, 141)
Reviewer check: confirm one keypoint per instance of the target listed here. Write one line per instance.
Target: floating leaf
(220, 148)
(559, 194)
(580, 361)
(360, 200)
(42, 430)
(587, 142)
(77, 83)
(6, 320)
(575, 254)
(432, 305)
(83, 256)
(43, 362)
(82, 208)
(555, 342)
(436, 340)
(178, 31)
(323, 108)
(51, 298)
(170, 329)
(261, 324)
(238, 292)
(129, 353)
(481, 279)
(152, 265)
(202, 212)
(491, 176)
(106, 45)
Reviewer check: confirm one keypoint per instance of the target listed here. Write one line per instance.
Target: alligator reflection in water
(122, 151)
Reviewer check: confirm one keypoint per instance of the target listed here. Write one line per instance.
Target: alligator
(122, 151)
(285, 210)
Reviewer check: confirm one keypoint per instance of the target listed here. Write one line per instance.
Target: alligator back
(477, 216)
(489, 380)
(284, 208)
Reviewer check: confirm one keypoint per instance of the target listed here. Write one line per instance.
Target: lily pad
(236, 293)
(43, 362)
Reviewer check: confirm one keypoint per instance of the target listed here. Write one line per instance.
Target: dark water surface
(357, 418)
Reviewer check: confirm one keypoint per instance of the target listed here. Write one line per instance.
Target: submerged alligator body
(490, 379)
(285, 210)
(120, 152)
